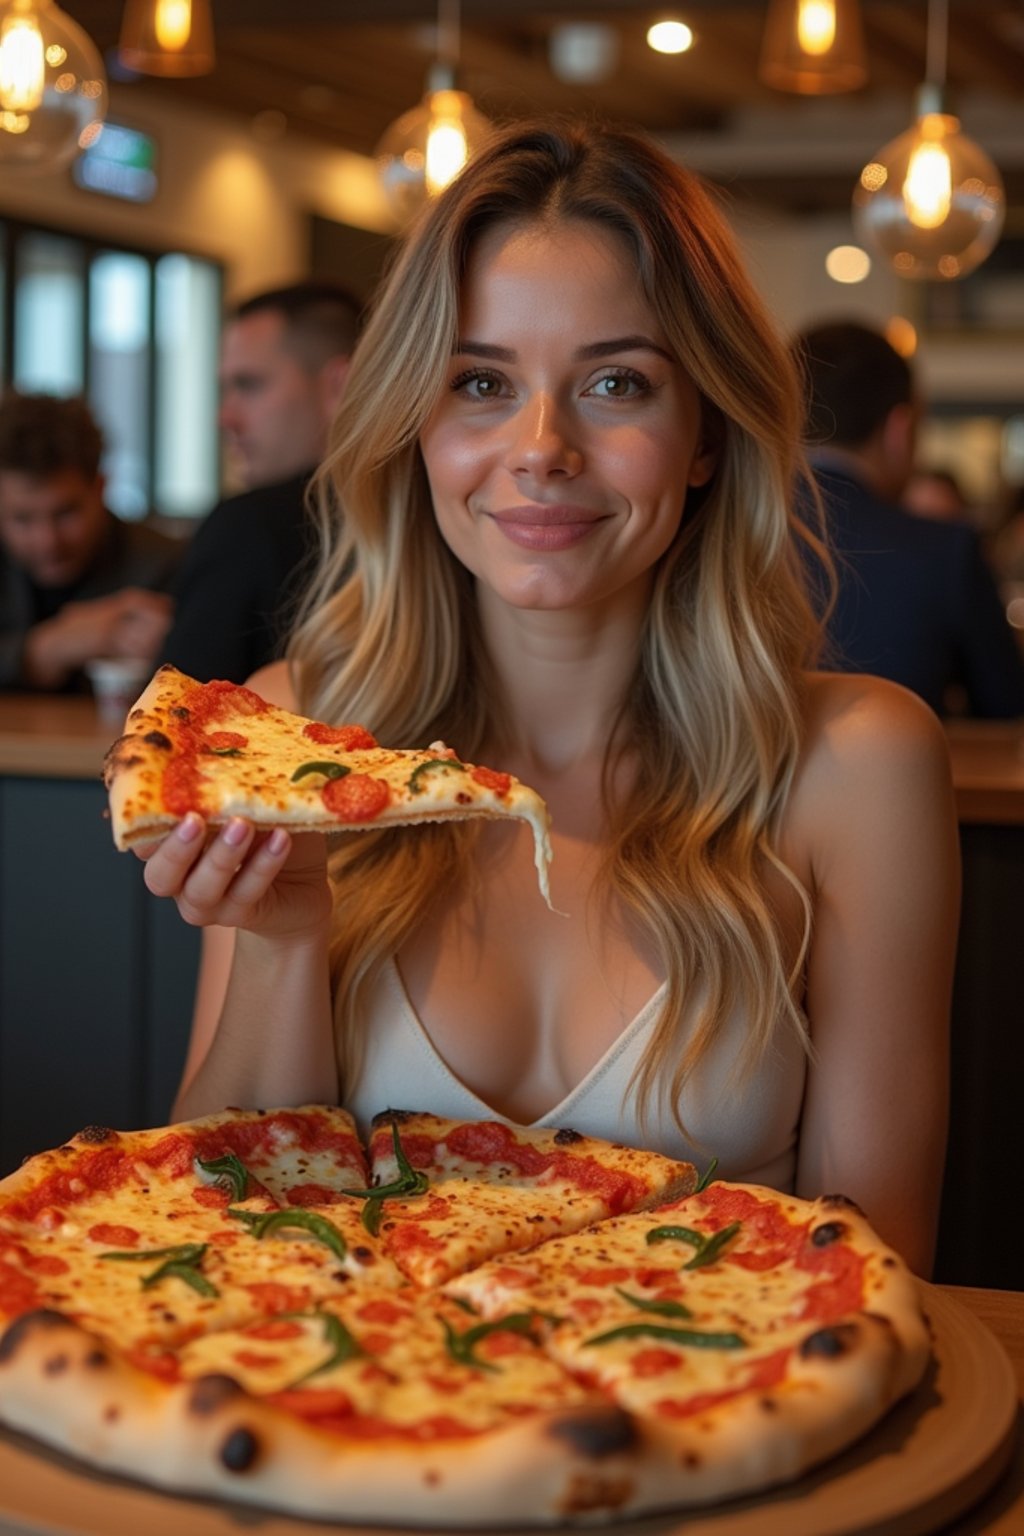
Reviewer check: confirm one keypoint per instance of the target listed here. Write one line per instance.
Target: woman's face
(562, 447)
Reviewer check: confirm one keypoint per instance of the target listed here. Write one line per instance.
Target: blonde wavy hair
(389, 634)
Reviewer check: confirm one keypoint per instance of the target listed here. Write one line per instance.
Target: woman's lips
(546, 527)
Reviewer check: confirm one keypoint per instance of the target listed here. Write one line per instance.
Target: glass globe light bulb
(53, 91)
(931, 202)
(427, 147)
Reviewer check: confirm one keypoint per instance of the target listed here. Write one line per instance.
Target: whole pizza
(459, 1323)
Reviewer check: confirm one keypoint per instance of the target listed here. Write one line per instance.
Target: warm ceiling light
(167, 37)
(931, 202)
(813, 47)
(670, 37)
(53, 92)
(847, 264)
(427, 147)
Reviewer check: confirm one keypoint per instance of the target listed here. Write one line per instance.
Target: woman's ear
(709, 446)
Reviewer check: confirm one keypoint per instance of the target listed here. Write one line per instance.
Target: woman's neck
(563, 678)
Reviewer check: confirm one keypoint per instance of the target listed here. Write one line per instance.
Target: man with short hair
(76, 583)
(284, 361)
(916, 600)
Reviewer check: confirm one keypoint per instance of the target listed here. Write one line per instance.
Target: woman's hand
(273, 885)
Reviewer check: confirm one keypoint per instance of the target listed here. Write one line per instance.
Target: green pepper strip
(343, 1345)
(706, 1177)
(708, 1248)
(713, 1247)
(676, 1335)
(181, 1263)
(223, 751)
(329, 771)
(679, 1234)
(415, 787)
(661, 1308)
(228, 1170)
(261, 1224)
(461, 1345)
(410, 1182)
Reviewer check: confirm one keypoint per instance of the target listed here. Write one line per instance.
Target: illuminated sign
(121, 163)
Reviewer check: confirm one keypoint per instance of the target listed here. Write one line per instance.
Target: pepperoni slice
(351, 738)
(490, 778)
(357, 797)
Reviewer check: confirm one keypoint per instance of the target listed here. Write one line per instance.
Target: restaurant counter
(96, 977)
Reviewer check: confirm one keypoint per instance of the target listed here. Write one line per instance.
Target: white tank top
(750, 1128)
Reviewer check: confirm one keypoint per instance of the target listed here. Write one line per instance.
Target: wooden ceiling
(343, 70)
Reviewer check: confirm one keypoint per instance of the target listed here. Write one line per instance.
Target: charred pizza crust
(561, 1379)
(220, 750)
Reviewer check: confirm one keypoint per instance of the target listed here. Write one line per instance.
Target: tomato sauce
(766, 1373)
(18, 1291)
(350, 738)
(113, 1236)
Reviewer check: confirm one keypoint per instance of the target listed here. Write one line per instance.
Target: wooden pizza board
(932, 1458)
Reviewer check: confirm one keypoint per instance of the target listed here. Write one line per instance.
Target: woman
(566, 459)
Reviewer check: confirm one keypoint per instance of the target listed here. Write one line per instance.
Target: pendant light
(931, 202)
(53, 92)
(167, 37)
(813, 47)
(427, 147)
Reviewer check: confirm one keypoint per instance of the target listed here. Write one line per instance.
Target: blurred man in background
(76, 582)
(284, 362)
(916, 600)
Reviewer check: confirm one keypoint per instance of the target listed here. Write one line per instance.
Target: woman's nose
(543, 441)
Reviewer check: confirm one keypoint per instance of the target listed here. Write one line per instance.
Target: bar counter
(64, 738)
(52, 738)
(96, 978)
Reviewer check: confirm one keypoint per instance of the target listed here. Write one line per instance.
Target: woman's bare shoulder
(275, 683)
(865, 736)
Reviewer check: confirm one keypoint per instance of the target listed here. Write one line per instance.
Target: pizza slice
(148, 1238)
(448, 1194)
(751, 1333)
(220, 750)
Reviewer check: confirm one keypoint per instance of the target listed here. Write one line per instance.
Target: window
(137, 334)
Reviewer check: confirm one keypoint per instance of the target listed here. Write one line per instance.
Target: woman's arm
(262, 1028)
(876, 801)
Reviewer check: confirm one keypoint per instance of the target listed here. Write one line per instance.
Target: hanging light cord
(937, 42)
(448, 32)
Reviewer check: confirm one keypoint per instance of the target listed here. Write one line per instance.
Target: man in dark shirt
(76, 583)
(284, 362)
(916, 600)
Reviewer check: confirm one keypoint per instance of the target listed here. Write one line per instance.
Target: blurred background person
(76, 582)
(936, 493)
(916, 601)
(284, 362)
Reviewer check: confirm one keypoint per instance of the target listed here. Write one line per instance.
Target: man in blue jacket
(916, 600)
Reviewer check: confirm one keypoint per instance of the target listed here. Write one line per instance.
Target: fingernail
(277, 842)
(190, 828)
(235, 832)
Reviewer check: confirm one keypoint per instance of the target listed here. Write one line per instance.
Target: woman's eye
(477, 385)
(623, 384)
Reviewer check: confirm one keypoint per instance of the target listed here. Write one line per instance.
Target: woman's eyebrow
(465, 347)
(623, 344)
